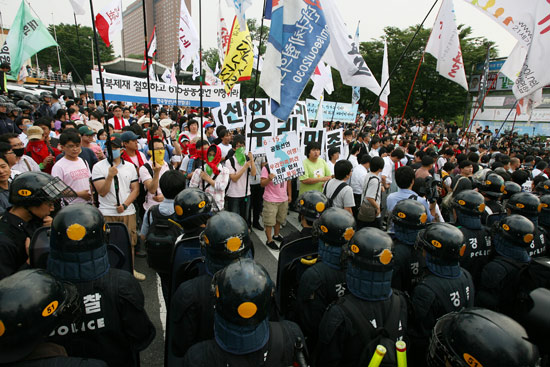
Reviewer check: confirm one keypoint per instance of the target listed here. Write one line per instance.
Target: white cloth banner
(343, 52)
(109, 21)
(345, 112)
(196, 67)
(188, 37)
(131, 89)
(529, 22)
(444, 45)
(385, 77)
(283, 157)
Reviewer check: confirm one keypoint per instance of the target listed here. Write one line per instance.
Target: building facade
(164, 14)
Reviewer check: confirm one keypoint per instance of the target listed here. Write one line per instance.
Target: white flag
(255, 63)
(79, 6)
(173, 76)
(343, 53)
(386, 91)
(23, 74)
(240, 8)
(444, 45)
(166, 76)
(529, 23)
(209, 77)
(109, 21)
(217, 71)
(319, 116)
(188, 37)
(196, 66)
(223, 34)
(322, 81)
(356, 91)
(152, 74)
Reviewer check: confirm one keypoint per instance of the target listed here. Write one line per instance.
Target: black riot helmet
(442, 241)
(469, 202)
(312, 204)
(192, 203)
(510, 188)
(243, 292)
(225, 237)
(543, 187)
(480, 337)
(32, 99)
(77, 228)
(32, 303)
(24, 105)
(492, 186)
(544, 218)
(371, 249)
(516, 229)
(335, 227)
(34, 188)
(524, 203)
(409, 213)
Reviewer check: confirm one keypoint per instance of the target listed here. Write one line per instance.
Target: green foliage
(135, 56)
(79, 54)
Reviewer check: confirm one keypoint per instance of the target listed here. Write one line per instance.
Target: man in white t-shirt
(237, 197)
(343, 197)
(391, 164)
(72, 169)
(117, 205)
(117, 121)
(225, 145)
(357, 180)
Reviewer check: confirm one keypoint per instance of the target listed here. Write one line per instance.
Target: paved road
(154, 303)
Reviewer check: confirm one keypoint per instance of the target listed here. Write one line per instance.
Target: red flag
(151, 50)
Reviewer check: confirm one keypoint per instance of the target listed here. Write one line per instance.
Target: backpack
(160, 239)
(447, 202)
(335, 193)
(375, 336)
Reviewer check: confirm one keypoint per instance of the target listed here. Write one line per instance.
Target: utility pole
(57, 47)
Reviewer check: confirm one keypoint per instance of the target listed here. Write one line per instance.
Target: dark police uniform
(408, 267)
(537, 247)
(478, 251)
(52, 355)
(491, 207)
(279, 350)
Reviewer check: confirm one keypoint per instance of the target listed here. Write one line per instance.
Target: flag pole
(148, 81)
(399, 62)
(102, 85)
(80, 47)
(254, 98)
(200, 91)
(178, 88)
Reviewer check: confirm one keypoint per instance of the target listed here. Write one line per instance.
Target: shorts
(274, 213)
(129, 221)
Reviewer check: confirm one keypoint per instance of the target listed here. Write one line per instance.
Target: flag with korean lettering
(222, 34)
(237, 65)
(343, 53)
(283, 157)
(529, 23)
(356, 91)
(260, 124)
(108, 21)
(27, 36)
(187, 36)
(298, 39)
(444, 45)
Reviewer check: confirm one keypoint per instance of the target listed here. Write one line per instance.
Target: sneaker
(272, 245)
(278, 238)
(139, 276)
(140, 253)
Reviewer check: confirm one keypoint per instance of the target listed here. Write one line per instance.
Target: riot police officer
(491, 188)
(543, 188)
(544, 218)
(310, 206)
(224, 240)
(480, 337)
(243, 334)
(528, 205)
(498, 285)
(32, 195)
(510, 188)
(408, 217)
(324, 282)
(114, 325)
(347, 326)
(192, 207)
(468, 206)
(32, 302)
(445, 288)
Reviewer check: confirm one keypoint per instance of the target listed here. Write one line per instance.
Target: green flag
(27, 36)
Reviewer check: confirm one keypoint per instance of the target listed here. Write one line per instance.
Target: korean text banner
(130, 89)
(283, 157)
(345, 112)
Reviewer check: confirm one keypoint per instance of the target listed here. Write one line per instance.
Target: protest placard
(335, 139)
(230, 115)
(283, 157)
(258, 128)
(345, 112)
(310, 134)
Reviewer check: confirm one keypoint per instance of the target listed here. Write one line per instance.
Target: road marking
(291, 219)
(162, 308)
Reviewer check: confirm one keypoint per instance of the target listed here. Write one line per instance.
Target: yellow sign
(50, 309)
(237, 65)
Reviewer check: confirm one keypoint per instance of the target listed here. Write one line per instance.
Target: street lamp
(93, 60)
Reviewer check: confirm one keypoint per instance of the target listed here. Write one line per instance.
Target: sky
(373, 14)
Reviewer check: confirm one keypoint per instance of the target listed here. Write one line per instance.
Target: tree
(73, 52)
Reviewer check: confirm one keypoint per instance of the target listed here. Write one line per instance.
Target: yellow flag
(237, 65)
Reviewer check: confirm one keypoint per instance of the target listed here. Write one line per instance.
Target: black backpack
(382, 335)
(335, 193)
(160, 239)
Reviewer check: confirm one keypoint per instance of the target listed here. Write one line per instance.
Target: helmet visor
(57, 189)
